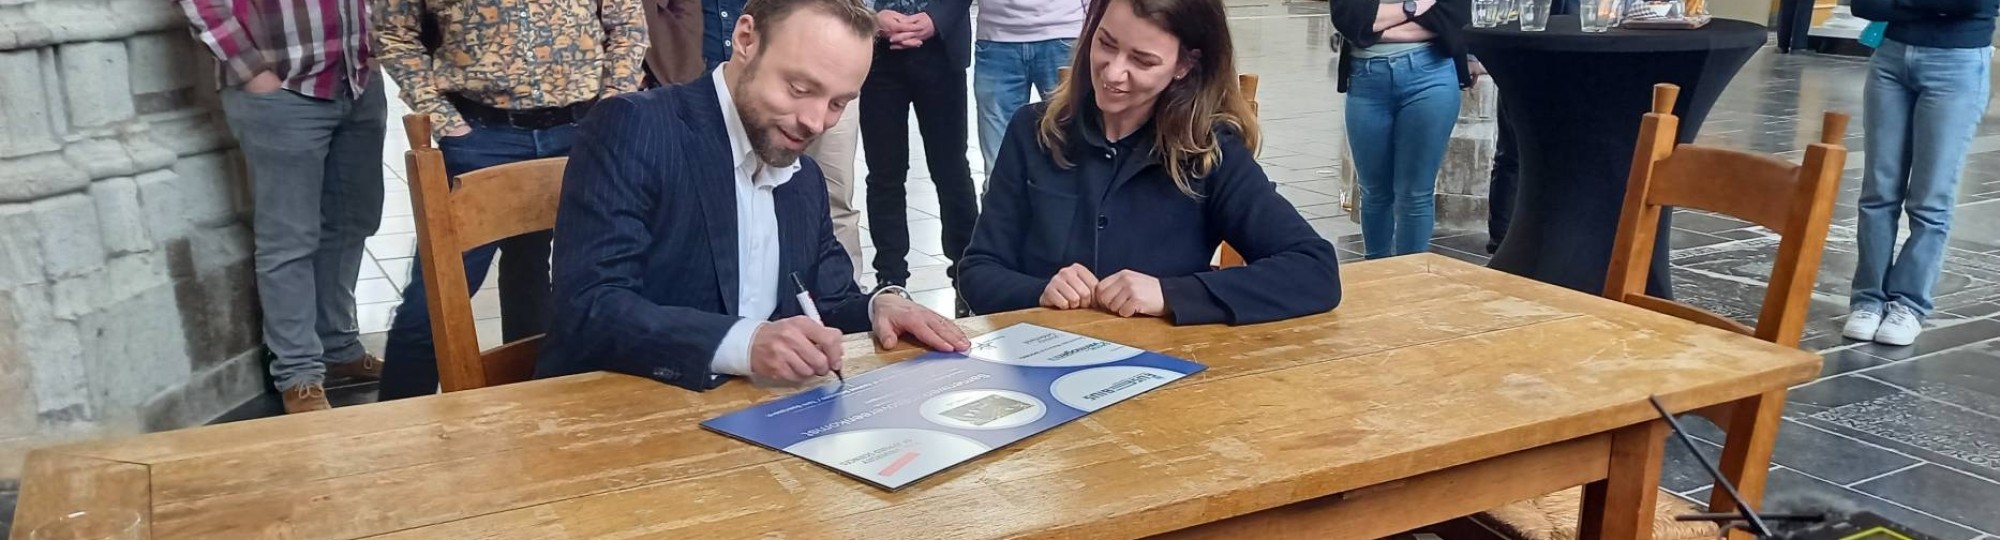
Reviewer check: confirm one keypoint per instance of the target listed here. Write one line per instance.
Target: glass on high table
(1513, 8)
(1600, 15)
(1534, 15)
(1488, 13)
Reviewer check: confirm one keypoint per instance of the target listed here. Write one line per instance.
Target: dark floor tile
(1938, 339)
(1846, 360)
(1941, 492)
(1832, 457)
(1835, 392)
(1917, 425)
(1685, 239)
(1745, 234)
(1975, 310)
(1968, 377)
(1681, 472)
(1726, 297)
(1788, 490)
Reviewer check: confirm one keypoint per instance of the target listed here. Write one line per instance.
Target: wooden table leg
(1621, 506)
(1746, 454)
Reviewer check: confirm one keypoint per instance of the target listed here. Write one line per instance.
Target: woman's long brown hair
(1188, 111)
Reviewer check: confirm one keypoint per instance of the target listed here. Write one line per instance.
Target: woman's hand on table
(1074, 287)
(1129, 293)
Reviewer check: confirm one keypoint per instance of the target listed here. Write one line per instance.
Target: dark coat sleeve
(602, 237)
(988, 274)
(1884, 11)
(1292, 271)
(1355, 20)
(1948, 8)
(840, 301)
(948, 15)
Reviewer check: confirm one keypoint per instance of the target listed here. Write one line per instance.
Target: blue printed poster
(906, 421)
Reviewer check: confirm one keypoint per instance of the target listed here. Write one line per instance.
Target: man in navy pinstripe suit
(687, 214)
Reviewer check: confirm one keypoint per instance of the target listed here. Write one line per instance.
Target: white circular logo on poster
(893, 456)
(1092, 389)
(984, 409)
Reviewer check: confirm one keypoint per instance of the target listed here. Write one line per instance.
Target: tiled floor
(1912, 433)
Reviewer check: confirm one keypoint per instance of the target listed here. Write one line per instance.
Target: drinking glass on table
(90, 525)
(1488, 13)
(1513, 8)
(1600, 15)
(1534, 15)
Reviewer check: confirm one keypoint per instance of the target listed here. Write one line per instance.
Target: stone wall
(126, 290)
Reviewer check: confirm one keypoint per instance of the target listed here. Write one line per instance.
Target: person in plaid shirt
(507, 81)
(303, 98)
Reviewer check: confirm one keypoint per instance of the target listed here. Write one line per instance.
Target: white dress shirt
(757, 285)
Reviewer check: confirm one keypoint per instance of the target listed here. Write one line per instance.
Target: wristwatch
(895, 290)
(1410, 9)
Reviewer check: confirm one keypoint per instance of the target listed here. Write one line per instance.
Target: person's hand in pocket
(264, 82)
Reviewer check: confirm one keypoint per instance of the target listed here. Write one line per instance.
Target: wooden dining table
(1437, 389)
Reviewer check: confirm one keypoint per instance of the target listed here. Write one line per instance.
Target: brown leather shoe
(306, 398)
(368, 368)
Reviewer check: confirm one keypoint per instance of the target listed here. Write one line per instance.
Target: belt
(542, 118)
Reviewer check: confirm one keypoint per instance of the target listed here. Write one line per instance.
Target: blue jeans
(1001, 76)
(1922, 107)
(1400, 112)
(410, 357)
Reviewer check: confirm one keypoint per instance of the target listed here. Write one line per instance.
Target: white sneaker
(1861, 325)
(1900, 327)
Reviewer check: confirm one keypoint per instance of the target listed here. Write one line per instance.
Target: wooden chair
(1225, 256)
(1796, 201)
(489, 205)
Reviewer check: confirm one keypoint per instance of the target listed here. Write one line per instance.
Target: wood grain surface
(1429, 365)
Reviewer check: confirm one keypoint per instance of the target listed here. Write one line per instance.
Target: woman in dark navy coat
(1115, 193)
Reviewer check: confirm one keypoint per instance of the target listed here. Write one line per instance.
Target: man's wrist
(875, 300)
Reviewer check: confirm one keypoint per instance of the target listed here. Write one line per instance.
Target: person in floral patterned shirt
(507, 81)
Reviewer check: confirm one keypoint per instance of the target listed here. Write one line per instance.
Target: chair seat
(1555, 517)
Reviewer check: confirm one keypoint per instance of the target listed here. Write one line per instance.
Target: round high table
(1575, 101)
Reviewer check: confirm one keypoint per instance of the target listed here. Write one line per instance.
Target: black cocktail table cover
(1576, 100)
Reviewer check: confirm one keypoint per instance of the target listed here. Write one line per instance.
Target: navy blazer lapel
(713, 181)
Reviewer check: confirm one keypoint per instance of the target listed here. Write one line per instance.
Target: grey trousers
(316, 175)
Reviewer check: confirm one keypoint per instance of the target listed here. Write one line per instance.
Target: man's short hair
(771, 13)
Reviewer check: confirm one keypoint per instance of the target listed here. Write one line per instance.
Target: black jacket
(1355, 21)
(1117, 209)
(1948, 24)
